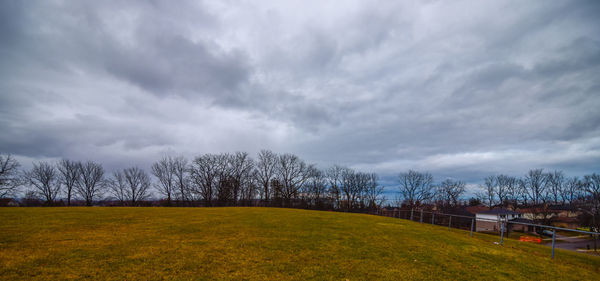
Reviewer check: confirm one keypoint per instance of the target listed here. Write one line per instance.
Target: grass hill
(261, 244)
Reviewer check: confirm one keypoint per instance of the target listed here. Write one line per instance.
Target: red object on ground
(530, 239)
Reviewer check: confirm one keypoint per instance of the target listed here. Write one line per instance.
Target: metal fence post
(411, 214)
(432, 218)
(450, 222)
(553, 241)
(472, 223)
(421, 215)
(501, 233)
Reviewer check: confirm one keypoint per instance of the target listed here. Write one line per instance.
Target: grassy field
(261, 244)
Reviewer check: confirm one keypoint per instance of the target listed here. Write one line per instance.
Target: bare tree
(164, 171)
(372, 192)
(225, 182)
(213, 178)
(591, 186)
(205, 176)
(572, 190)
(501, 189)
(9, 175)
(265, 172)
(534, 184)
(44, 179)
(315, 188)
(91, 181)
(449, 192)
(556, 182)
(292, 172)
(489, 191)
(241, 167)
(69, 172)
(512, 189)
(522, 191)
(182, 180)
(118, 187)
(506, 188)
(138, 184)
(334, 176)
(535, 187)
(249, 189)
(416, 187)
(351, 188)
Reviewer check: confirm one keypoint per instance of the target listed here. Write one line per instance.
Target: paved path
(573, 243)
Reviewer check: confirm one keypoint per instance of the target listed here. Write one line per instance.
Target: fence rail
(422, 216)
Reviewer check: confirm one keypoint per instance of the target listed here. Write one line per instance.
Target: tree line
(225, 179)
(538, 187)
(285, 180)
(536, 191)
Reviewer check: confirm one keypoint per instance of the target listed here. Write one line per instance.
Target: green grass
(261, 244)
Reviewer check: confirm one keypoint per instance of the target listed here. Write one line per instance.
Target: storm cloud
(462, 89)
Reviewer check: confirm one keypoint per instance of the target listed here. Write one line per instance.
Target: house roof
(547, 209)
(476, 209)
(533, 210)
(499, 212)
(562, 208)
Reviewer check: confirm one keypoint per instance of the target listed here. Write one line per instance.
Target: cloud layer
(461, 89)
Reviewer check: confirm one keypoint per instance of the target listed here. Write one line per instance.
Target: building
(8, 202)
(564, 211)
(557, 215)
(521, 227)
(566, 222)
(490, 220)
(389, 211)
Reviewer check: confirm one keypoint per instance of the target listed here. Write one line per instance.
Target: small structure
(8, 202)
(564, 211)
(389, 211)
(490, 220)
(543, 212)
(557, 215)
(521, 227)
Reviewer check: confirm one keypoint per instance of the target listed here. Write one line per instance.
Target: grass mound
(260, 244)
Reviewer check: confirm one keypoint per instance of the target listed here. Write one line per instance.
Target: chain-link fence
(501, 227)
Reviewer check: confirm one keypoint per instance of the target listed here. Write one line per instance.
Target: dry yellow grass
(260, 244)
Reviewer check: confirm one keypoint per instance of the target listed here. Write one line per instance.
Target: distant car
(544, 232)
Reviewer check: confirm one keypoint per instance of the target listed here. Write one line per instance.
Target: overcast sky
(461, 89)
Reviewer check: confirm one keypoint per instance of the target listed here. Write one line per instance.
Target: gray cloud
(462, 89)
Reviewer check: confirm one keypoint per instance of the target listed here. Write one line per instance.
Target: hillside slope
(260, 244)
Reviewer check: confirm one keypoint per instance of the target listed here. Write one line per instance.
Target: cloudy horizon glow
(461, 89)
